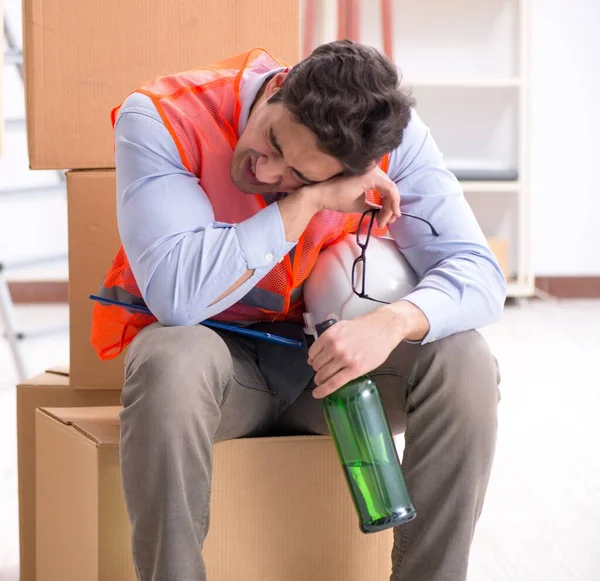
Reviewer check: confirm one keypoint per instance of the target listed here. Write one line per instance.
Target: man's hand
(347, 194)
(350, 349)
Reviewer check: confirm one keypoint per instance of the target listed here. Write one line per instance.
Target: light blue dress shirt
(182, 259)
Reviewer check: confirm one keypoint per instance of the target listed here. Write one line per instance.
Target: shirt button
(269, 257)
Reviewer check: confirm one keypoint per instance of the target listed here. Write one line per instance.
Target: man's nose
(268, 171)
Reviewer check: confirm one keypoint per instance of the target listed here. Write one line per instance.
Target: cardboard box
(93, 243)
(500, 247)
(280, 508)
(84, 57)
(49, 389)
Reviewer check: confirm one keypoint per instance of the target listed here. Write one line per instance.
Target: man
(229, 182)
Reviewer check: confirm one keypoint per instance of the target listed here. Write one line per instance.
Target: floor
(541, 520)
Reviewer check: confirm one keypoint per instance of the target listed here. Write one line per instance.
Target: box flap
(59, 370)
(100, 424)
(46, 380)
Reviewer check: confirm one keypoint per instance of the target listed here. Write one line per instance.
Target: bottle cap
(316, 329)
(322, 327)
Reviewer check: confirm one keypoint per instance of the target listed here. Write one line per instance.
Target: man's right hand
(348, 194)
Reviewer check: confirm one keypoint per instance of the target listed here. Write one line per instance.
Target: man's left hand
(350, 349)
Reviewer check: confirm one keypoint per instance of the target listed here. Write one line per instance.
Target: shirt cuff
(262, 238)
(441, 311)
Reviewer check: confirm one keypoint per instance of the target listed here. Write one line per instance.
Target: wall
(565, 136)
(565, 124)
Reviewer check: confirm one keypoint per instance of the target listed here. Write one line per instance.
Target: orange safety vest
(201, 110)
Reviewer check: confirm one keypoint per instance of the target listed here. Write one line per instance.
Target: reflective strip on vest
(296, 294)
(269, 301)
(263, 299)
(292, 254)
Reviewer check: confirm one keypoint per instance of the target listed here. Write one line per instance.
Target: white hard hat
(328, 289)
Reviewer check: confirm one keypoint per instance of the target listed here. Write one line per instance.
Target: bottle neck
(352, 389)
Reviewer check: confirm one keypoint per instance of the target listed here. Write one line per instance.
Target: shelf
(33, 189)
(495, 186)
(474, 129)
(464, 39)
(13, 57)
(519, 290)
(13, 124)
(465, 83)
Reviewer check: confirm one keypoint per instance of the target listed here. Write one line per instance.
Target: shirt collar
(249, 88)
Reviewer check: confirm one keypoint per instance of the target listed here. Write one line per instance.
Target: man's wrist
(409, 321)
(311, 196)
(296, 210)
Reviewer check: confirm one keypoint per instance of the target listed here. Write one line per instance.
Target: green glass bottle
(368, 454)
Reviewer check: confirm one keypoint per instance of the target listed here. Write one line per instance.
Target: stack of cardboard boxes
(280, 508)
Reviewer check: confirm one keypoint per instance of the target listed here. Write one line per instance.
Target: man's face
(276, 154)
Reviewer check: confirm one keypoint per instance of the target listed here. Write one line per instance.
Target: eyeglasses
(362, 239)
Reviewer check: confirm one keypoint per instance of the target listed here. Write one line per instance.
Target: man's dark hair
(349, 95)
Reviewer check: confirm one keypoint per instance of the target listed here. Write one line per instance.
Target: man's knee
(169, 367)
(465, 381)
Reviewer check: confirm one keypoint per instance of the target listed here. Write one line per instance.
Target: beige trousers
(187, 387)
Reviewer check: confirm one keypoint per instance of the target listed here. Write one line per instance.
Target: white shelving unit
(467, 63)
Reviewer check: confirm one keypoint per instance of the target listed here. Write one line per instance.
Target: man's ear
(275, 83)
